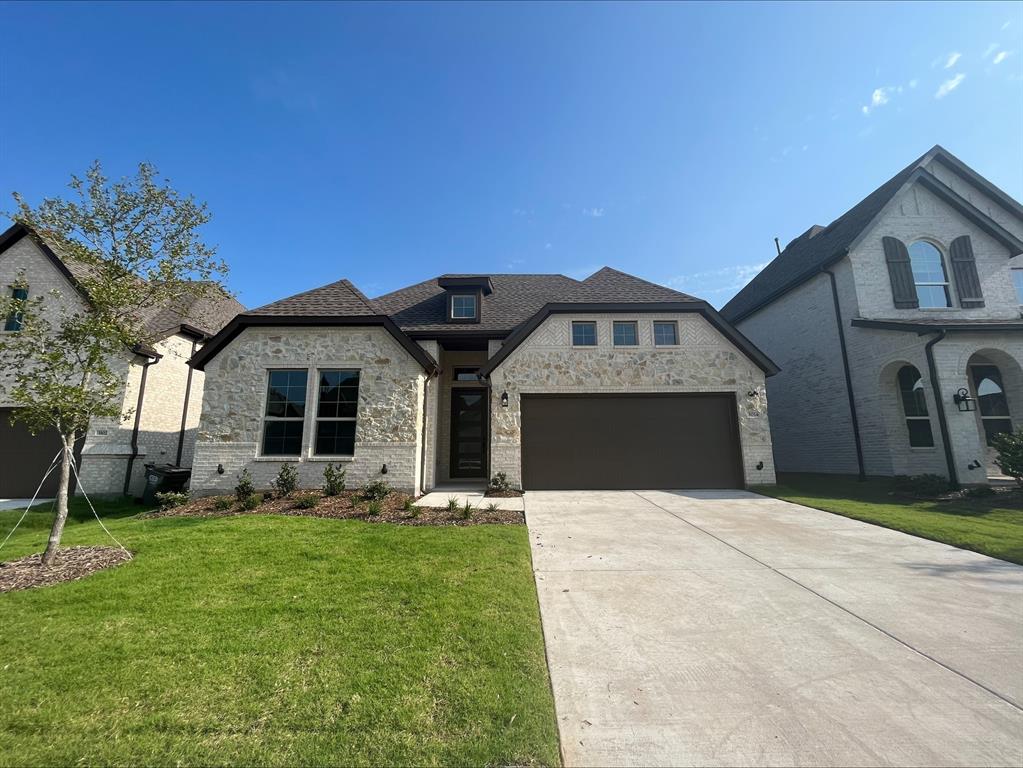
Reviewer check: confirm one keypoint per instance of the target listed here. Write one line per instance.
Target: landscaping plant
(409, 504)
(245, 488)
(252, 501)
(374, 508)
(922, 486)
(333, 480)
(286, 481)
(452, 504)
(375, 490)
(222, 503)
(1010, 453)
(169, 499)
(307, 501)
(467, 511)
(499, 482)
(137, 247)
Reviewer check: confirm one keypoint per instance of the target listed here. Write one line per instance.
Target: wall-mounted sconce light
(964, 401)
(504, 399)
(751, 393)
(760, 465)
(220, 469)
(383, 470)
(973, 465)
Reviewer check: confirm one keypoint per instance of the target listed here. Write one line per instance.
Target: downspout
(426, 432)
(135, 428)
(848, 376)
(184, 408)
(932, 369)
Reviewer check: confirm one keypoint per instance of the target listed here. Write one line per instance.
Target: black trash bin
(163, 478)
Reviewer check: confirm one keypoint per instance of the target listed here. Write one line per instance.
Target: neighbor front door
(468, 432)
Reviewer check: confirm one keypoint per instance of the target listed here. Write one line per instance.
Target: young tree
(136, 248)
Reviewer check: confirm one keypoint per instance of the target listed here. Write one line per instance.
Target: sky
(390, 143)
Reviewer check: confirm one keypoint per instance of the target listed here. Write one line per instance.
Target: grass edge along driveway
(278, 641)
(991, 525)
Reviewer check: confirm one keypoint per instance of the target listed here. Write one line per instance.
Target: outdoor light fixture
(220, 469)
(751, 393)
(973, 465)
(964, 401)
(760, 465)
(504, 399)
(383, 470)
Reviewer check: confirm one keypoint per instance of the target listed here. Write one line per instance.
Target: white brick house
(161, 395)
(608, 382)
(885, 319)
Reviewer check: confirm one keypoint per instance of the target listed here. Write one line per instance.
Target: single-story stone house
(160, 395)
(607, 382)
(898, 328)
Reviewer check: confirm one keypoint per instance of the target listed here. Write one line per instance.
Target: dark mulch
(509, 494)
(72, 563)
(349, 505)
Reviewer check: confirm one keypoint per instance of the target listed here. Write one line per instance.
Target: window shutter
(964, 267)
(901, 273)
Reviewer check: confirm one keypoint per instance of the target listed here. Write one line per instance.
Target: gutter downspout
(848, 376)
(426, 431)
(932, 369)
(135, 428)
(184, 408)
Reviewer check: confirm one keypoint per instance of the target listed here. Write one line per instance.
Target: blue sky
(391, 143)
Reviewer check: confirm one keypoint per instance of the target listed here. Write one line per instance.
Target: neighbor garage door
(24, 459)
(575, 442)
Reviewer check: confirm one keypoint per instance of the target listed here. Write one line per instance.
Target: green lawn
(991, 525)
(277, 641)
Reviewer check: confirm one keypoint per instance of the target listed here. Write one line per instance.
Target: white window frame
(653, 332)
(947, 284)
(596, 334)
(475, 306)
(316, 418)
(614, 340)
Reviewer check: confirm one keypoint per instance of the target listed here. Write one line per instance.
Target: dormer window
(464, 307)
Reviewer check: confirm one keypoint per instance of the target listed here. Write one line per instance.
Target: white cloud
(952, 59)
(1006, 25)
(949, 85)
(1002, 56)
(878, 98)
(595, 213)
(914, 83)
(546, 246)
(717, 281)
(991, 48)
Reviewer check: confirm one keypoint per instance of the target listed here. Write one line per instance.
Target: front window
(626, 333)
(914, 404)
(463, 307)
(584, 334)
(993, 405)
(929, 275)
(285, 413)
(1017, 280)
(665, 334)
(15, 319)
(467, 374)
(336, 408)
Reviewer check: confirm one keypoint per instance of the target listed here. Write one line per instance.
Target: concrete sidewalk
(730, 629)
(475, 498)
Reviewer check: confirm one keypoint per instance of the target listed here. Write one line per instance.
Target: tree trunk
(62, 492)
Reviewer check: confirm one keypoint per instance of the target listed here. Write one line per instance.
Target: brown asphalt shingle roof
(340, 299)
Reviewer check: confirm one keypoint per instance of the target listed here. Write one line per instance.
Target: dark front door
(641, 441)
(468, 432)
(24, 459)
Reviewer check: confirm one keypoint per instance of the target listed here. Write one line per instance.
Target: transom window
(665, 333)
(994, 407)
(285, 412)
(914, 405)
(463, 307)
(15, 319)
(336, 408)
(584, 333)
(467, 374)
(1017, 280)
(929, 275)
(626, 333)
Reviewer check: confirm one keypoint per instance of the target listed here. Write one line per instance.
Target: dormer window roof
(465, 296)
(466, 284)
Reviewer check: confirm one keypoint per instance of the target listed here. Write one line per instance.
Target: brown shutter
(964, 267)
(901, 273)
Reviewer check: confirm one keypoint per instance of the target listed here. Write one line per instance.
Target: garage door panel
(629, 441)
(24, 459)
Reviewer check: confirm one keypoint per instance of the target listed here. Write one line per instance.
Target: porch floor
(439, 496)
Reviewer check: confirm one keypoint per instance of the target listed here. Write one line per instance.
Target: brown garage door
(24, 459)
(647, 441)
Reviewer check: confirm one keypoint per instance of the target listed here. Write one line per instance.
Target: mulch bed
(348, 505)
(72, 563)
(509, 494)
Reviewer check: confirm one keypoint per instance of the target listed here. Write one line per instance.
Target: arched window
(914, 405)
(929, 275)
(994, 407)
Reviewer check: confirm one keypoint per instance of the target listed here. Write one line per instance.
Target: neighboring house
(608, 382)
(161, 395)
(893, 321)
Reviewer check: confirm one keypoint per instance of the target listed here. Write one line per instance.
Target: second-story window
(626, 333)
(15, 319)
(929, 275)
(584, 333)
(1017, 280)
(463, 307)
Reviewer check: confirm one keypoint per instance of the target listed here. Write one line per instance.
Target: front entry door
(468, 432)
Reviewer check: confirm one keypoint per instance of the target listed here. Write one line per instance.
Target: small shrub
(170, 499)
(223, 502)
(374, 508)
(452, 504)
(333, 480)
(409, 504)
(286, 481)
(245, 488)
(375, 490)
(923, 486)
(491, 507)
(979, 492)
(252, 501)
(1010, 453)
(307, 501)
(499, 482)
(467, 511)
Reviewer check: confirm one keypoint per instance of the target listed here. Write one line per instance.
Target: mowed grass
(264, 640)
(990, 525)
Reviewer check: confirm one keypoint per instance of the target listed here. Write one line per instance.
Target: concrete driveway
(725, 628)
